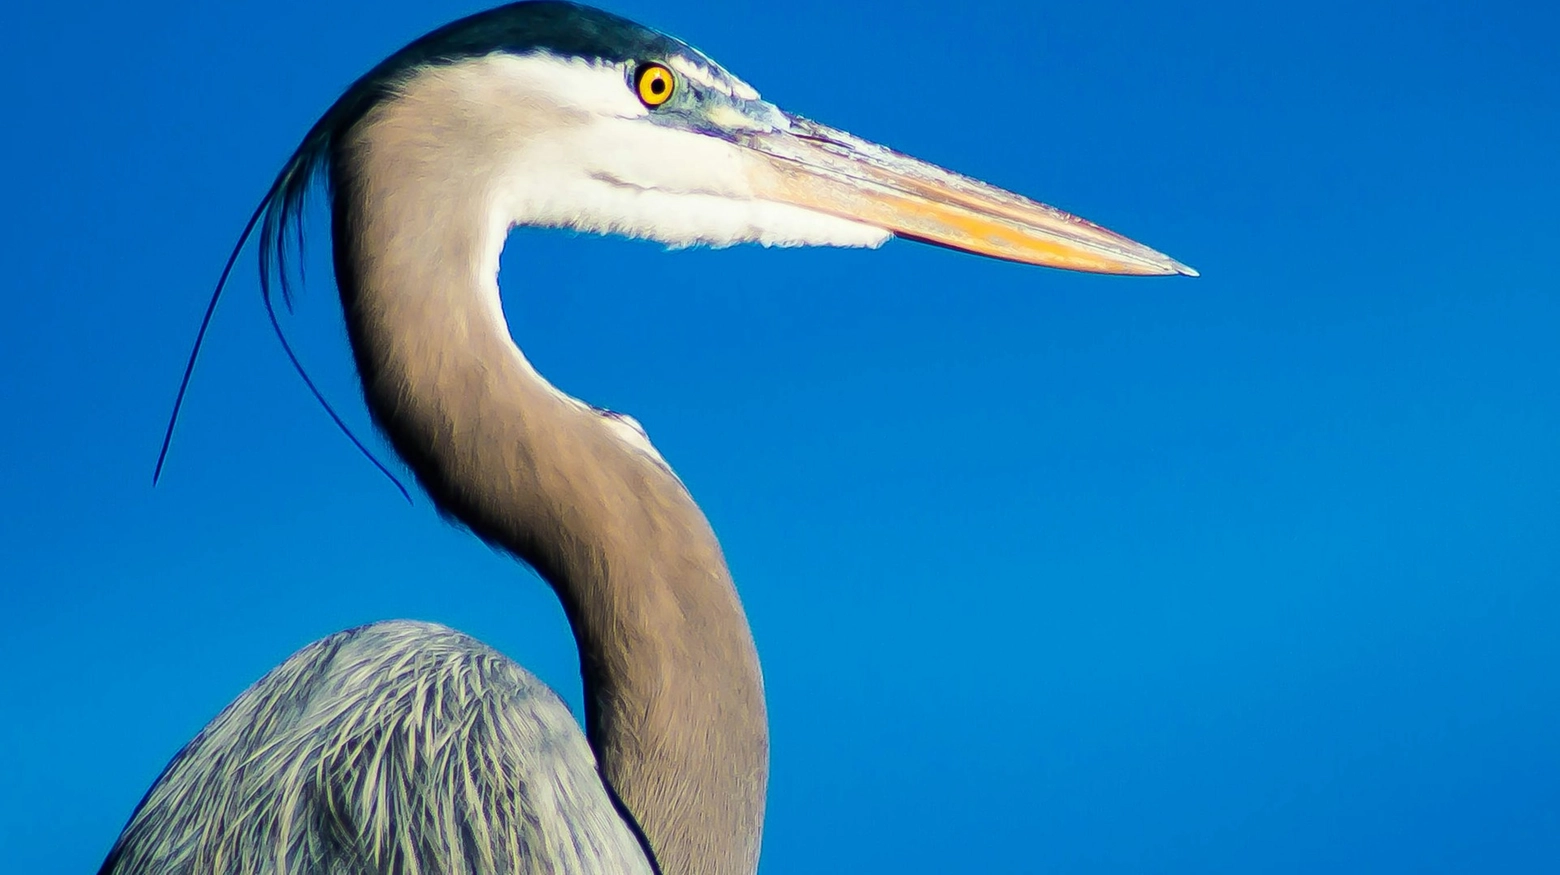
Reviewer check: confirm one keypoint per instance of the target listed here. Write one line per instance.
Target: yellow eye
(654, 84)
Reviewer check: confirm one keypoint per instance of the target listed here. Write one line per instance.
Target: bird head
(605, 125)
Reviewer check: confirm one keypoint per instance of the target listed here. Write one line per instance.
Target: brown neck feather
(674, 697)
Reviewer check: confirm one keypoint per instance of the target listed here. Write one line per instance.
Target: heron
(406, 747)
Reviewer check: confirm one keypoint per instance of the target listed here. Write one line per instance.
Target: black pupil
(657, 84)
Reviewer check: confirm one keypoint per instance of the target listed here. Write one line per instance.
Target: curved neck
(674, 697)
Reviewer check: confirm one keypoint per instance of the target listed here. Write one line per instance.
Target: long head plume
(561, 26)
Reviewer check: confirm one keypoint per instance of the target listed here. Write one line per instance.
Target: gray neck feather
(674, 698)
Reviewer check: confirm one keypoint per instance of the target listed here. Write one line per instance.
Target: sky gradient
(1257, 572)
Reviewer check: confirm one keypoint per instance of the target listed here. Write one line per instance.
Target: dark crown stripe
(560, 28)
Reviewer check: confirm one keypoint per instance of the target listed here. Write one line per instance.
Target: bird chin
(685, 219)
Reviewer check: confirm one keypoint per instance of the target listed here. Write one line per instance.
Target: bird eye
(655, 84)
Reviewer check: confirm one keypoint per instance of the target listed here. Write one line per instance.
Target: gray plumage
(399, 747)
(408, 749)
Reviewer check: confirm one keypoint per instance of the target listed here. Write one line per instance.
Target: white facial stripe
(564, 83)
(563, 142)
(628, 177)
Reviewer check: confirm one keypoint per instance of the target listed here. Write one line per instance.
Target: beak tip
(1183, 269)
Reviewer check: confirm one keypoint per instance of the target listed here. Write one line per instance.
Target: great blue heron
(405, 747)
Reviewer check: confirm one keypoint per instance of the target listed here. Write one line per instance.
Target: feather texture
(383, 750)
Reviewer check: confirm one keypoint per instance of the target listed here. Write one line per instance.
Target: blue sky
(1251, 573)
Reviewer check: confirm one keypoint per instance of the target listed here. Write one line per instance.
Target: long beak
(832, 172)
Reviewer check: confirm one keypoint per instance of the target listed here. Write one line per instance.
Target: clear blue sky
(1258, 572)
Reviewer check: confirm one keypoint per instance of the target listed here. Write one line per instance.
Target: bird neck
(674, 697)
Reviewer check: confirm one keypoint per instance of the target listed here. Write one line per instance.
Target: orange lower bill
(832, 172)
